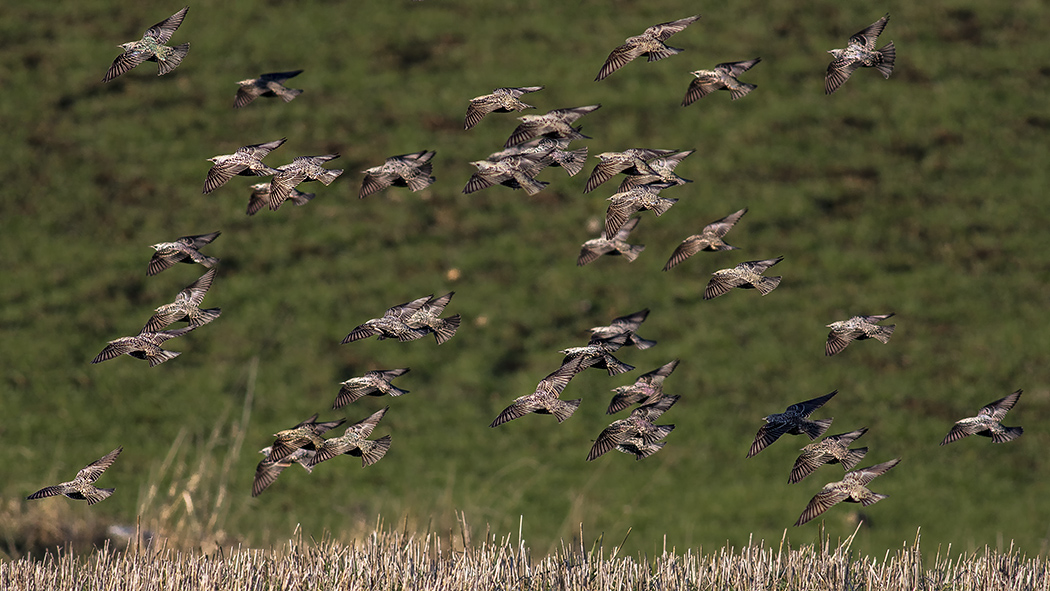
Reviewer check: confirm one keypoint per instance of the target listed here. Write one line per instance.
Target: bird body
(306, 434)
(427, 317)
(988, 422)
(833, 449)
(556, 123)
(500, 100)
(549, 151)
(355, 442)
(260, 197)
(391, 325)
(624, 204)
(746, 275)
(145, 345)
(598, 354)
(406, 170)
(373, 383)
(860, 53)
(617, 245)
(300, 170)
(647, 388)
(183, 250)
(267, 85)
(82, 488)
(545, 399)
(662, 172)
(186, 306)
(793, 421)
(516, 172)
(857, 328)
(624, 325)
(638, 427)
(722, 77)
(246, 161)
(152, 48)
(851, 489)
(709, 239)
(650, 44)
(630, 161)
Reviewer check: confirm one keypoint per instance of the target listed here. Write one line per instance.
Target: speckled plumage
(405, 170)
(624, 325)
(545, 400)
(355, 442)
(625, 204)
(516, 172)
(650, 44)
(793, 421)
(596, 247)
(556, 123)
(549, 151)
(709, 239)
(833, 449)
(857, 328)
(988, 422)
(246, 161)
(82, 488)
(260, 197)
(373, 383)
(851, 489)
(638, 428)
(182, 250)
(722, 77)
(500, 100)
(662, 172)
(267, 471)
(599, 354)
(647, 388)
(145, 345)
(186, 306)
(746, 275)
(152, 48)
(305, 435)
(630, 161)
(267, 85)
(860, 53)
(300, 170)
(427, 317)
(391, 325)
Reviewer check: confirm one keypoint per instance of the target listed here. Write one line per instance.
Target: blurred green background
(922, 195)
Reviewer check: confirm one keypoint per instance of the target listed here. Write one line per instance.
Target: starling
(988, 422)
(626, 203)
(407, 170)
(246, 161)
(516, 172)
(596, 247)
(833, 449)
(794, 421)
(182, 250)
(638, 426)
(373, 383)
(305, 435)
(501, 100)
(261, 196)
(650, 44)
(426, 318)
(556, 123)
(851, 489)
(632, 161)
(268, 471)
(545, 399)
(860, 52)
(186, 307)
(746, 275)
(858, 328)
(81, 487)
(663, 169)
(623, 325)
(300, 456)
(266, 85)
(637, 447)
(355, 442)
(151, 48)
(646, 389)
(300, 170)
(722, 77)
(551, 152)
(709, 239)
(145, 345)
(599, 353)
(391, 325)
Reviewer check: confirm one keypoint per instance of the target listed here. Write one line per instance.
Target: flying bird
(545, 399)
(722, 77)
(556, 124)
(186, 306)
(355, 442)
(516, 172)
(650, 44)
(746, 275)
(152, 48)
(617, 245)
(647, 388)
(246, 161)
(145, 345)
(426, 317)
(833, 449)
(793, 421)
(709, 239)
(500, 100)
(81, 487)
(851, 489)
(662, 172)
(373, 383)
(266, 472)
(302, 169)
(268, 85)
(857, 328)
(988, 422)
(638, 428)
(260, 197)
(598, 353)
(305, 435)
(392, 324)
(624, 325)
(183, 250)
(860, 52)
(626, 203)
(549, 151)
(630, 161)
(406, 170)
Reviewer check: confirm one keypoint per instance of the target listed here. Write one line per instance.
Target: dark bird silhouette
(794, 421)
(267, 85)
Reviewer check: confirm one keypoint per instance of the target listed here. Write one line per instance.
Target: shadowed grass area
(921, 195)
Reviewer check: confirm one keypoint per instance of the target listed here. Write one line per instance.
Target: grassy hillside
(921, 195)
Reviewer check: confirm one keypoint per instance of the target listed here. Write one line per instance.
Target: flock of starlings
(538, 142)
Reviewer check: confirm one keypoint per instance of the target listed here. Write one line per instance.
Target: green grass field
(922, 195)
